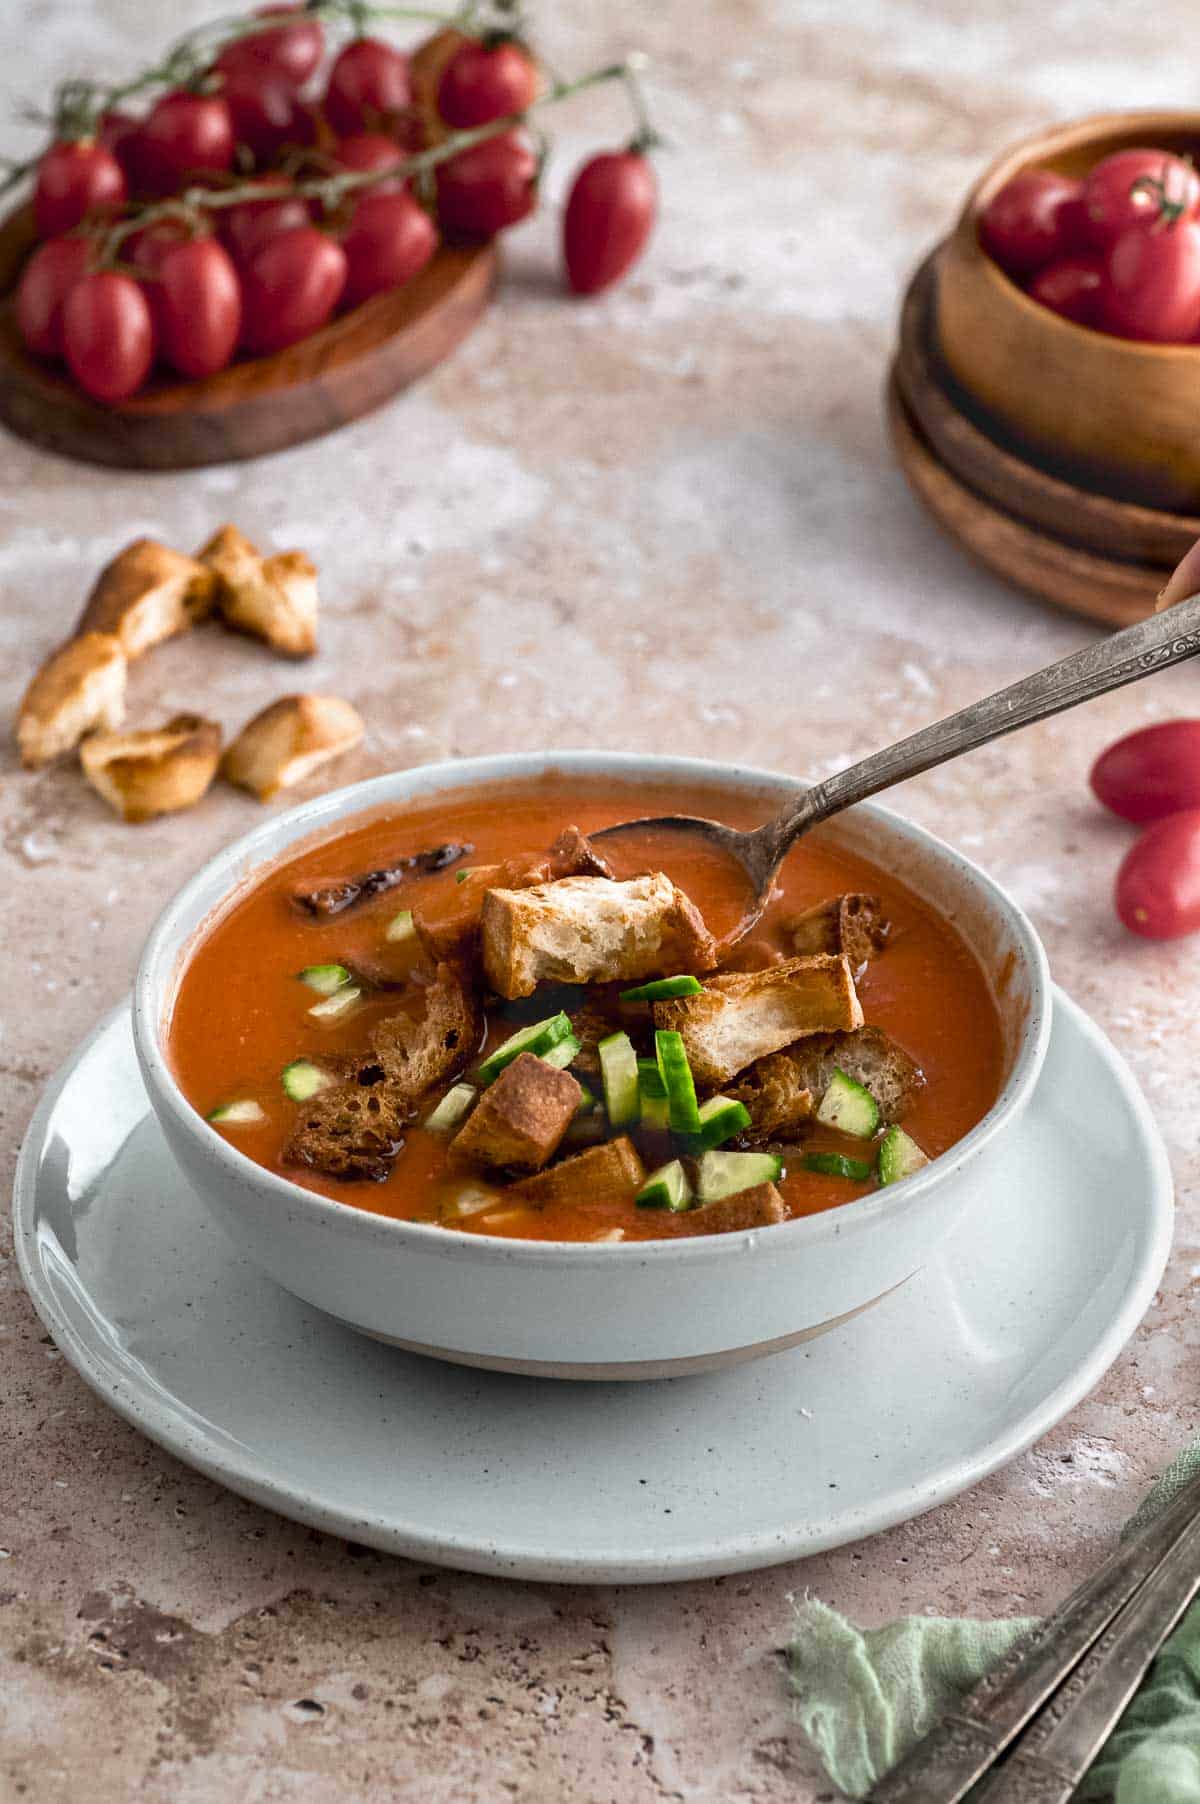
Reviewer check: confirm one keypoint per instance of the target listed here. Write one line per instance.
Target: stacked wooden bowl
(1066, 460)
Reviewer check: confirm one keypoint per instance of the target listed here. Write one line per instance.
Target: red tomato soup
(243, 1014)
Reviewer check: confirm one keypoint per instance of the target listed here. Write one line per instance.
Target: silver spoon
(1153, 644)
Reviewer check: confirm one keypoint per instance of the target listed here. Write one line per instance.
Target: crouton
(289, 740)
(778, 1100)
(148, 593)
(271, 598)
(519, 1121)
(743, 1016)
(155, 772)
(591, 930)
(455, 934)
(612, 1173)
(80, 688)
(869, 1057)
(758, 1207)
(853, 925)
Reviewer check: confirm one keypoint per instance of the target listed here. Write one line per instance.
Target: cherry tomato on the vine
(199, 312)
(389, 239)
(1136, 188)
(291, 49)
(608, 219)
(184, 135)
(243, 229)
(108, 336)
(290, 288)
(76, 180)
(1152, 283)
(119, 132)
(483, 82)
(368, 88)
(144, 251)
(1073, 287)
(46, 281)
(483, 190)
(265, 113)
(1031, 221)
(366, 151)
(1151, 773)
(1158, 884)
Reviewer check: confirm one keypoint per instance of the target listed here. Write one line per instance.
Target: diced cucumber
(589, 1102)
(450, 1111)
(302, 1080)
(650, 1078)
(676, 1074)
(836, 1165)
(337, 1004)
(663, 988)
(326, 980)
(539, 1038)
(656, 1111)
(619, 1070)
(721, 1117)
(724, 1174)
(401, 927)
(899, 1156)
(666, 1188)
(564, 1054)
(849, 1107)
(238, 1114)
(461, 876)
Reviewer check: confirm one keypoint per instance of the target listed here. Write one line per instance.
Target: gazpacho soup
(466, 1012)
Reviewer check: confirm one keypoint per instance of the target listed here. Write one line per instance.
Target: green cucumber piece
(461, 876)
(619, 1070)
(539, 1038)
(589, 1102)
(326, 980)
(450, 1111)
(337, 1004)
(676, 1074)
(302, 1080)
(836, 1165)
(666, 1188)
(899, 1156)
(662, 988)
(721, 1117)
(564, 1054)
(656, 1110)
(245, 1113)
(650, 1078)
(724, 1174)
(401, 927)
(849, 1107)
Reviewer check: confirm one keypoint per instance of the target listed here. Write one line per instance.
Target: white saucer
(974, 1358)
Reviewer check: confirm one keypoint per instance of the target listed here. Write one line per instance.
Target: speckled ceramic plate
(967, 1364)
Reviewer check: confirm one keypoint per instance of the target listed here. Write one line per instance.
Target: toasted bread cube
(155, 772)
(148, 593)
(289, 740)
(591, 930)
(853, 925)
(757, 1207)
(869, 1057)
(612, 1173)
(271, 598)
(745, 1015)
(80, 687)
(778, 1099)
(519, 1121)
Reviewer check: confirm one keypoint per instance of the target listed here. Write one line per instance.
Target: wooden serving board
(354, 364)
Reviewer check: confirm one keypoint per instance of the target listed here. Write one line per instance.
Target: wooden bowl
(352, 365)
(1106, 413)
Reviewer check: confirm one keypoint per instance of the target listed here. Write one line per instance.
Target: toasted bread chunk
(869, 1057)
(743, 1016)
(271, 598)
(456, 935)
(854, 925)
(611, 1173)
(158, 771)
(755, 1208)
(519, 1121)
(591, 930)
(779, 1101)
(80, 687)
(289, 740)
(148, 593)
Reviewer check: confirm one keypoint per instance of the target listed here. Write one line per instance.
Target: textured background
(666, 520)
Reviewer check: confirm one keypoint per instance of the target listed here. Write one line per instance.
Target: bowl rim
(161, 960)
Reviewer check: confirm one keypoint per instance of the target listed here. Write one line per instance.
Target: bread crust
(79, 689)
(519, 1121)
(759, 1207)
(289, 740)
(146, 594)
(852, 924)
(609, 1173)
(745, 1015)
(270, 598)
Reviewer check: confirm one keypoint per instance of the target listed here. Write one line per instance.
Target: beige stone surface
(664, 519)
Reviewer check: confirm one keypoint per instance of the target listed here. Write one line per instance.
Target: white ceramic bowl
(635, 1310)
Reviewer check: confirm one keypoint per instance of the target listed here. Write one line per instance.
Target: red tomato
(199, 313)
(1151, 773)
(366, 151)
(389, 239)
(75, 181)
(290, 51)
(108, 336)
(368, 88)
(480, 84)
(119, 133)
(145, 251)
(246, 227)
(1030, 221)
(46, 281)
(609, 214)
(1073, 287)
(291, 287)
(185, 135)
(1152, 283)
(1158, 884)
(1129, 189)
(489, 187)
(265, 113)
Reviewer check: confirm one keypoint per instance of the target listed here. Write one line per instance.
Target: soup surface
(242, 1014)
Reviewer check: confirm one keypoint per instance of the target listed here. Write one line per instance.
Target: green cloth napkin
(867, 1695)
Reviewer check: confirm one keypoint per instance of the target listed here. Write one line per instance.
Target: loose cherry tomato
(46, 281)
(185, 135)
(291, 287)
(1131, 188)
(199, 312)
(609, 214)
(489, 187)
(1158, 884)
(1152, 283)
(365, 151)
(1031, 221)
(1073, 287)
(482, 83)
(290, 50)
(265, 113)
(76, 180)
(1151, 773)
(108, 336)
(388, 240)
(368, 88)
(245, 228)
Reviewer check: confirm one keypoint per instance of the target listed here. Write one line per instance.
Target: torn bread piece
(612, 1173)
(779, 1102)
(80, 688)
(758, 1207)
(591, 930)
(743, 1016)
(271, 598)
(854, 925)
(158, 771)
(148, 593)
(520, 1120)
(869, 1057)
(289, 740)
